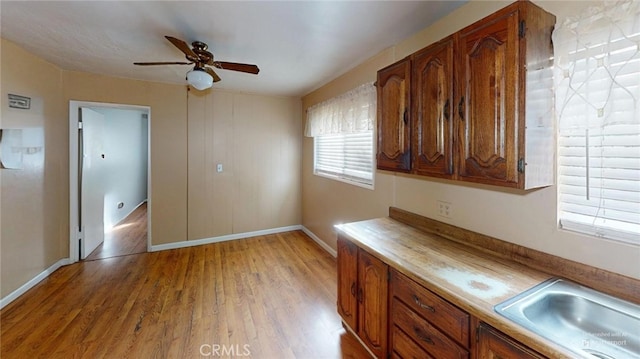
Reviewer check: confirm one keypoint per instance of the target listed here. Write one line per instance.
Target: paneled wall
(256, 141)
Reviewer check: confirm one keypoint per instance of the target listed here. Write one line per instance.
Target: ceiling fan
(202, 76)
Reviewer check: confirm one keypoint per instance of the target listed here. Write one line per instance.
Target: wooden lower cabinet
(348, 283)
(493, 344)
(396, 317)
(422, 321)
(362, 295)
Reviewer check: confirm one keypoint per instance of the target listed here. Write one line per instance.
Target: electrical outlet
(445, 209)
(219, 168)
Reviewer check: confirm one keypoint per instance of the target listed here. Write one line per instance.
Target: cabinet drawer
(404, 347)
(427, 336)
(444, 315)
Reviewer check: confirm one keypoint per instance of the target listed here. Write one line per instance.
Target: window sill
(346, 180)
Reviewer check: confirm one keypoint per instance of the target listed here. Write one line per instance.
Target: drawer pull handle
(422, 305)
(425, 338)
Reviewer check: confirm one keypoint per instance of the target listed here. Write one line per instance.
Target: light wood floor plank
(273, 296)
(129, 236)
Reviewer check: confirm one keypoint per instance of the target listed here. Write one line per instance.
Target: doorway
(109, 160)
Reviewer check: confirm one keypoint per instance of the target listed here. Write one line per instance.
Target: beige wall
(34, 199)
(528, 219)
(260, 148)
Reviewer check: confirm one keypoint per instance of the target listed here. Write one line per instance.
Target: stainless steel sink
(586, 322)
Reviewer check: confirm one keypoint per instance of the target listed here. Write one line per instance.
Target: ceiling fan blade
(252, 69)
(184, 47)
(161, 63)
(213, 74)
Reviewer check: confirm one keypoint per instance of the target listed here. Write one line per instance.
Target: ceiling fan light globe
(199, 79)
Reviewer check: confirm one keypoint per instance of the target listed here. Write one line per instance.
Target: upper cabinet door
(432, 104)
(487, 100)
(393, 117)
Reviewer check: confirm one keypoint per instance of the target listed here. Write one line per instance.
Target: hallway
(127, 237)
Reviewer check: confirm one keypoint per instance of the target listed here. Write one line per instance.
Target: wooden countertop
(471, 279)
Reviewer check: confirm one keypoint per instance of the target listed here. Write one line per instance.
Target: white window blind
(597, 75)
(346, 156)
(342, 128)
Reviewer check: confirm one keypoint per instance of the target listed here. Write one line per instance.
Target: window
(347, 157)
(342, 129)
(597, 79)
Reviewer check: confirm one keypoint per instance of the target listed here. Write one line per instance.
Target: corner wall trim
(228, 237)
(35, 280)
(320, 242)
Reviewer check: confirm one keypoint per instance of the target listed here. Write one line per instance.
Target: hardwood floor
(264, 297)
(127, 237)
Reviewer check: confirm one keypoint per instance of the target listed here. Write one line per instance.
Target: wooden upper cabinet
(348, 282)
(495, 58)
(393, 117)
(481, 103)
(432, 104)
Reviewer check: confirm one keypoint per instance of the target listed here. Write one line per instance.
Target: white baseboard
(228, 237)
(320, 242)
(30, 284)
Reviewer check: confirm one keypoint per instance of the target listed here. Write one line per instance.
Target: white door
(91, 177)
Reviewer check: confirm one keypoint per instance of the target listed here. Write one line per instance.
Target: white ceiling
(298, 45)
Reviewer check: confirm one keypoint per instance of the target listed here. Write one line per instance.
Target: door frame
(74, 108)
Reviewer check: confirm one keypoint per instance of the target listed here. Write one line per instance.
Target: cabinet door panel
(488, 102)
(393, 117)
(432, 81)
(372, 312)
(347, 282)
